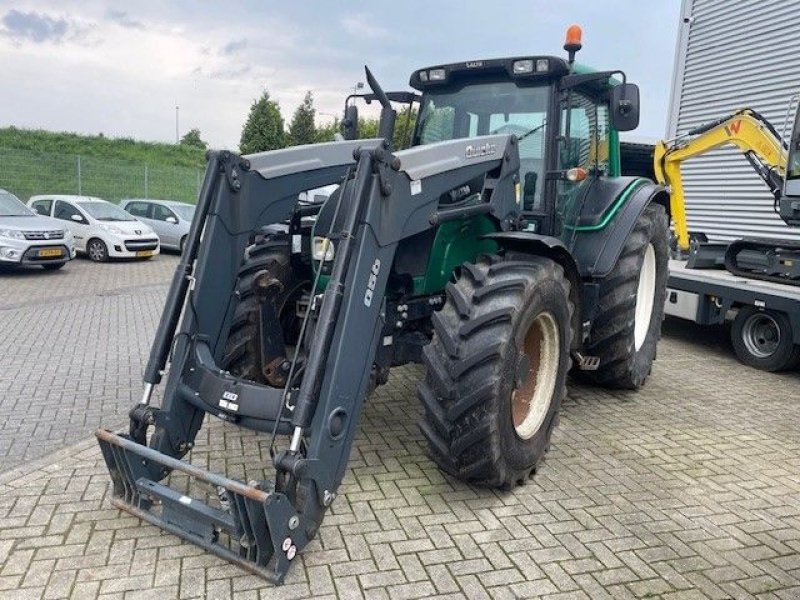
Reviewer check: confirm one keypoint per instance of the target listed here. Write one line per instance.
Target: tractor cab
(560, 112)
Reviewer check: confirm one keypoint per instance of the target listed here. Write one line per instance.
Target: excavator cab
(789, 202)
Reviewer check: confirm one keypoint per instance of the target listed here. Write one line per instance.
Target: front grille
(135, 245)
(55, 234)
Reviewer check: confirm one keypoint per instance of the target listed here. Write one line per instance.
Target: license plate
(144, 253)
(50, 252)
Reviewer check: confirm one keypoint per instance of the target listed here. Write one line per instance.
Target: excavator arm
(746, 130)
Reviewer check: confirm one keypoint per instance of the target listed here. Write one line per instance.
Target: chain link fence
(26, 173)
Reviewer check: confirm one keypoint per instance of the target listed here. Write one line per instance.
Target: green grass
(147, 153)
(42, 162)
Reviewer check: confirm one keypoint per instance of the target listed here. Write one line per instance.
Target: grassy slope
(39, 162)
(150, 153)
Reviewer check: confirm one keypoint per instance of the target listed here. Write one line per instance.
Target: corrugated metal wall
(731, 55)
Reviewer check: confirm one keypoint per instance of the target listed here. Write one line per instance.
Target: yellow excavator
(776, 161)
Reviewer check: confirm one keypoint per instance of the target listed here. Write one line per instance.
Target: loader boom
(386, 198)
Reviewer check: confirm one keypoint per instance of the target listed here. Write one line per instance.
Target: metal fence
(26, 173)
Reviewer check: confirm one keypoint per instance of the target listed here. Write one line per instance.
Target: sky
(121, 68)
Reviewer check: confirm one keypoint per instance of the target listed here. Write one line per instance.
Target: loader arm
(746, 130)
(385, 199)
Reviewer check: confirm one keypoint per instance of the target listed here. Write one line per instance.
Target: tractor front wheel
(631, 306)
(268, 259)
(496, 370)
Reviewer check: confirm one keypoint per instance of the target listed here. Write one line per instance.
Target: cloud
(233, 47)
(34, 27)
(363, 27)
(123, 19)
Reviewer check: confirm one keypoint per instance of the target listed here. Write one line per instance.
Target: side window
(161, 213)
(137, 209)
(43, 207)
(65, 211)
(580, 141)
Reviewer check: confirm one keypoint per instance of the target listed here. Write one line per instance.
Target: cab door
(583, 143)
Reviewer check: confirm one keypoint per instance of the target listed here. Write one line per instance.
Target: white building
(733, 54)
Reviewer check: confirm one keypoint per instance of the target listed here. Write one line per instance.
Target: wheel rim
(645, 297)
(96, 251)
(761, 335)
(530, 402)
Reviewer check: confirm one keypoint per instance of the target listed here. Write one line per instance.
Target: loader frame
(385, 198)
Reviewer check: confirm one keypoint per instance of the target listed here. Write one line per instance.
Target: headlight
(13, 234)
(111, 229)
(318, 247)
(68, 235)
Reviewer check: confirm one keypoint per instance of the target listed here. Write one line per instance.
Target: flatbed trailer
(766, 315)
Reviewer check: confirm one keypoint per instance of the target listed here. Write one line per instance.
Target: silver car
(169, 219)
(30, 239)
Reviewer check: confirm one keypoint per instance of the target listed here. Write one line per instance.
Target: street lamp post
(177, 128)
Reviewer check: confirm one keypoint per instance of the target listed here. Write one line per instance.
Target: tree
(302, 129)
(327, 133)
(263, 129)
(192, 138)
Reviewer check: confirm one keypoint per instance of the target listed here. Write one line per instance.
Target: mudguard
(597, 239)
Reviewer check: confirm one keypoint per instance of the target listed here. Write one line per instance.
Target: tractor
(502, 250)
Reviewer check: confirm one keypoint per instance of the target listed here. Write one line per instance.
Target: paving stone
(686, 489)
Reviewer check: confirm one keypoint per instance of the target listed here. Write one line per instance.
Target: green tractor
(503, 249)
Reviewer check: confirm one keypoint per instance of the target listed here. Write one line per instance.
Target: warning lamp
(572, 43)
(576, 174)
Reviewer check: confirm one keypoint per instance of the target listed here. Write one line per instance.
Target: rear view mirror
(172, 220)
(625, 107)
(77, 218)
(350, 123)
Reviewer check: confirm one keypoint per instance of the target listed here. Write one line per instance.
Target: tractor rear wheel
(627, 327)
(496, 370)
(242, 356)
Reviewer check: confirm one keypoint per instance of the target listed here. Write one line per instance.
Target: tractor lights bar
(523, 67)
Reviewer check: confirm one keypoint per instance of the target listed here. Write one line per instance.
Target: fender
(596, 248)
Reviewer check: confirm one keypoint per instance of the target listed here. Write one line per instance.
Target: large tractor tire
(627, 328)
(242, 349)
(496, 370)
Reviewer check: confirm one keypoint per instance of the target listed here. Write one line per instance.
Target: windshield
(103, 211)
(11, 206)
(185, 211)
(493, 108)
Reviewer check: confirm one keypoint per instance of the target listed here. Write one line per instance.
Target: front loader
(500, 251)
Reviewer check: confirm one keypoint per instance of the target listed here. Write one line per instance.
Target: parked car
(102, 230)
(169, 219)
(29, 239)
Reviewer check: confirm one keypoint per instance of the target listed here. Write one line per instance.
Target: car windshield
(104, 211)
(185, 211)
(493, 108)
(11, 206)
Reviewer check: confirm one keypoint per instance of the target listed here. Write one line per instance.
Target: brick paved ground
(688, 489)
(72, 348)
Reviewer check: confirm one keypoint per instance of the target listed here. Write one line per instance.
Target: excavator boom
(744, 129)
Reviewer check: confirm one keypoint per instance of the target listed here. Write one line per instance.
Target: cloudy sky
(120, 68)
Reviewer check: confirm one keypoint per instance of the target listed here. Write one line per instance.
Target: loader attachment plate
(258, 532)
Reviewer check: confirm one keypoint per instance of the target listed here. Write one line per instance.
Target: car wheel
(96, 250)
(182, 244)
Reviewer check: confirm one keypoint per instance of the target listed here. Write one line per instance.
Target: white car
(102, 230)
